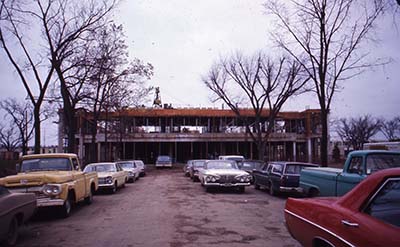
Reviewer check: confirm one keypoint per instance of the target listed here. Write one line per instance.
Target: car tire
(256, 185)
(114, 188)
(67, 207)
(12, 234)
(89, 198)
(208, 189)
(313, 192)
(272, 192)
(241, 189)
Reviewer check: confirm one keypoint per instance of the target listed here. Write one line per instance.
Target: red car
(368, 215)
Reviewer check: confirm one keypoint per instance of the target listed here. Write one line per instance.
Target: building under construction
(193, 133)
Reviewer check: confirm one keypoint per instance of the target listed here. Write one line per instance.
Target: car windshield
(221, 165)
(249, 165)
(294, 168)
(164, 158)
(376, 162)
(102, 168)
(46, 164)
(126, 164)
(198, 163)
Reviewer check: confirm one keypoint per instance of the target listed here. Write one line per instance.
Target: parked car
(223, 173)
(142, 167)
(15, 210)
(327, 181)
(186, 168)
(164, 161)
(368, 215)
(280, 176)
(111, 175)
(250, 166)
(194, 170)
(56, 179)
(237, 158)
(132, 169)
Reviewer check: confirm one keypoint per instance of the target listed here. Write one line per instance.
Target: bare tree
(67, 25)
(355, 132)
(114, 82)
(259, 82)
(21, 120)
(391, 129)
(326, 38)
(34, 72)
(9, 138)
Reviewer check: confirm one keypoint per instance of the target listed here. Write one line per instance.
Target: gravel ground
(165, 208)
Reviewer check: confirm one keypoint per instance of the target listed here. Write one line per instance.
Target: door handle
(348, 223)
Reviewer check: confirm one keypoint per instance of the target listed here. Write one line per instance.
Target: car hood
(106, 174)
(37, 178)
(225, 172)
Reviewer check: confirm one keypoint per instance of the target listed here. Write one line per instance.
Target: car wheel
(89, 198)
(313, 192)
(272, 192)
(66, 208)
(12, 234)
(114, 188)
(208, 189)
(241, 189)
(256, 185)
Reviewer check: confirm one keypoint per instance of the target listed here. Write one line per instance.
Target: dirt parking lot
(165, 208)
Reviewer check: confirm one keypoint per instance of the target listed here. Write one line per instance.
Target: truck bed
(326, 177)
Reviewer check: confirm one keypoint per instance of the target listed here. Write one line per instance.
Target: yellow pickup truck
(56, 180)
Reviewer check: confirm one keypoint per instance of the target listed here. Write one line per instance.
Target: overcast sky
(183, 38)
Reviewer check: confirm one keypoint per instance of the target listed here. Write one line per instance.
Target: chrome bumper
(48, 202)
(106, 186)
(291, 189)
(226, 185)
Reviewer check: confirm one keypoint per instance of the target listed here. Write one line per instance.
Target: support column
(98, 152)
(309, 150)
(251, 150)
(294, 151)
(123, 151)
(176, 151)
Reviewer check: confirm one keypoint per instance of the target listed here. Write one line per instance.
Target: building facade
(193, 133)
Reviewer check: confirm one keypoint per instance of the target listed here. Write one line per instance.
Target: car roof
(292, 163)
(365, 152)
(51, 155)
(101, 163)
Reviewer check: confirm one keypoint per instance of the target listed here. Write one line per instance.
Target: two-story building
(194, 133)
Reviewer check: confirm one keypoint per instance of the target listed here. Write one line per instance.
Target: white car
(111, 176)
(237, 158)
(131, 167)
(141, 166)
(163, 161)
(223, 173)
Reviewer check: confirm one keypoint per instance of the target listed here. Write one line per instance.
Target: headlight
(109, 180)
(52, 189)
(212, 179)
(243, 179)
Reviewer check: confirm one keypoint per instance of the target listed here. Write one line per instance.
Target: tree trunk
(324, 138)
(36, 124)
(93, 153)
